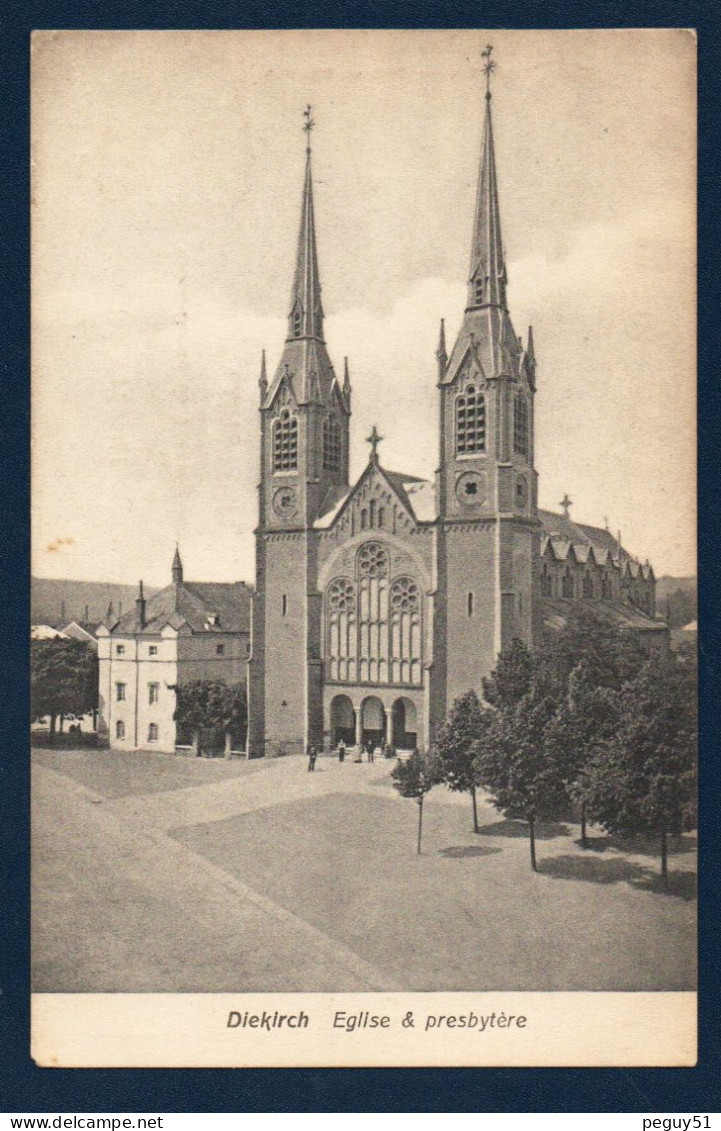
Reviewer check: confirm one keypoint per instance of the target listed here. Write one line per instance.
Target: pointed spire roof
(177, 570)
(263, 379)
(305, 319)
(487, 274)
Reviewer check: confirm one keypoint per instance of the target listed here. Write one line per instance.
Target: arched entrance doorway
(342, 721)
(405, 725)
(373, 721)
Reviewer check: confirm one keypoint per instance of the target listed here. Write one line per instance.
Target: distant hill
(56, 602)
(677, 597)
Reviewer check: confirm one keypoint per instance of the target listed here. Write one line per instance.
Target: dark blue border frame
(23, 1087)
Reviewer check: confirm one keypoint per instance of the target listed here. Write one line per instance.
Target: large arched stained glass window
(470, 421)
(405, 631)
(285, 442)
(374, 623)
(342, 629)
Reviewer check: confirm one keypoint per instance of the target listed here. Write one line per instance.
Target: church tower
(304, 417)
(486, 483)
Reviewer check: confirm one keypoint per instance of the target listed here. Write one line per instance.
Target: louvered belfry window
(520, 425)
(285, 442)
(331, 444)
(470, 421)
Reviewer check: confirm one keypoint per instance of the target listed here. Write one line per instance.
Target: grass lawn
(129, 773)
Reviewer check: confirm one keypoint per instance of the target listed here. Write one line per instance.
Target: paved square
(264, 877)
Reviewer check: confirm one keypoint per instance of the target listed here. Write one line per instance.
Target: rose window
(341, 596)
(372, 560)
(405, 597)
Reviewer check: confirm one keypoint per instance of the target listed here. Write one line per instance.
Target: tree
(415, 777)
(511, 678)
(514, 766)
(642, 773)
(63, 679)
(456, 746)
(210, 704)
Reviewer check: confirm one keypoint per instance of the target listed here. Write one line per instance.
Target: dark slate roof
(556, 609)
(191, 603)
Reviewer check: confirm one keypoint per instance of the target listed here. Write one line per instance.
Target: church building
(377, 603)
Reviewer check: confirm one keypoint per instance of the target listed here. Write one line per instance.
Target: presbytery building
(378, 602)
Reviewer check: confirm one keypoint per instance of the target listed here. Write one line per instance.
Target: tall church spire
(177, 568)
(305, 319)
(487, 275)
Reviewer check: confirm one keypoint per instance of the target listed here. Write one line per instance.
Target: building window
(120, 692)
(153, 692)
(587, 584)
(153, 732)
(520, 424)
(247, 647)
(470, 604)
(381, 516)
(120, 729)
(470, 421)
(285, 442)
(373, 624)
(546, 584)
(479, 291)
(153, 650)
(220, 649)
(606, 590)
(567, 583)
(284, 605)
(120, 650)
(297, 320)
(331, 444)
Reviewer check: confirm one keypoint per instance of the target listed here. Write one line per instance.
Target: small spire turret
(177, 570)
(263, 379)
(441, 354)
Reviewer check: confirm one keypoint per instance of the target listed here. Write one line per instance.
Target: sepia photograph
(363, 641)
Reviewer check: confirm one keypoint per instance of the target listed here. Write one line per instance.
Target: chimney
(62, 612)
(140, 606)
(120, 608)
(87, 614)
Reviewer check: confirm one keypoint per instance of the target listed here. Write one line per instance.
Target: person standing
(312, 755)
(341, 751)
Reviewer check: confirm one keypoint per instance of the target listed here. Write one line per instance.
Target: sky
(167, 175)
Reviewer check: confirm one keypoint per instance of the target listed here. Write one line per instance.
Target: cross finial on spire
(308, 125)
(566, 503)
(374, 440)
(488, 67)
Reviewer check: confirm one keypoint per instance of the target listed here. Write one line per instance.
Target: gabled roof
(195, 604)
(416, 495)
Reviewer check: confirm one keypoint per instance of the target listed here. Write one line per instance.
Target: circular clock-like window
(285, 502)
(471, 488)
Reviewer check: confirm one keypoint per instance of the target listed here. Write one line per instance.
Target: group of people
(370, 749)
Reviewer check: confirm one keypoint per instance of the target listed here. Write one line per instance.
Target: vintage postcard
(364, 587)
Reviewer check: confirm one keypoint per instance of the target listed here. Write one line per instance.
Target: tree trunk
(664, 858)
(584, 842)
(228, 745)
(420, 823)
(532, 840)
(52, 728)
(475, 809)
(62, 720)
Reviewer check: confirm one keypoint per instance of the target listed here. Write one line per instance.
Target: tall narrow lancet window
(373, 569)
(331, 444)
(520, 425)
(285, 442)
(470, 421)
(405, 631)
